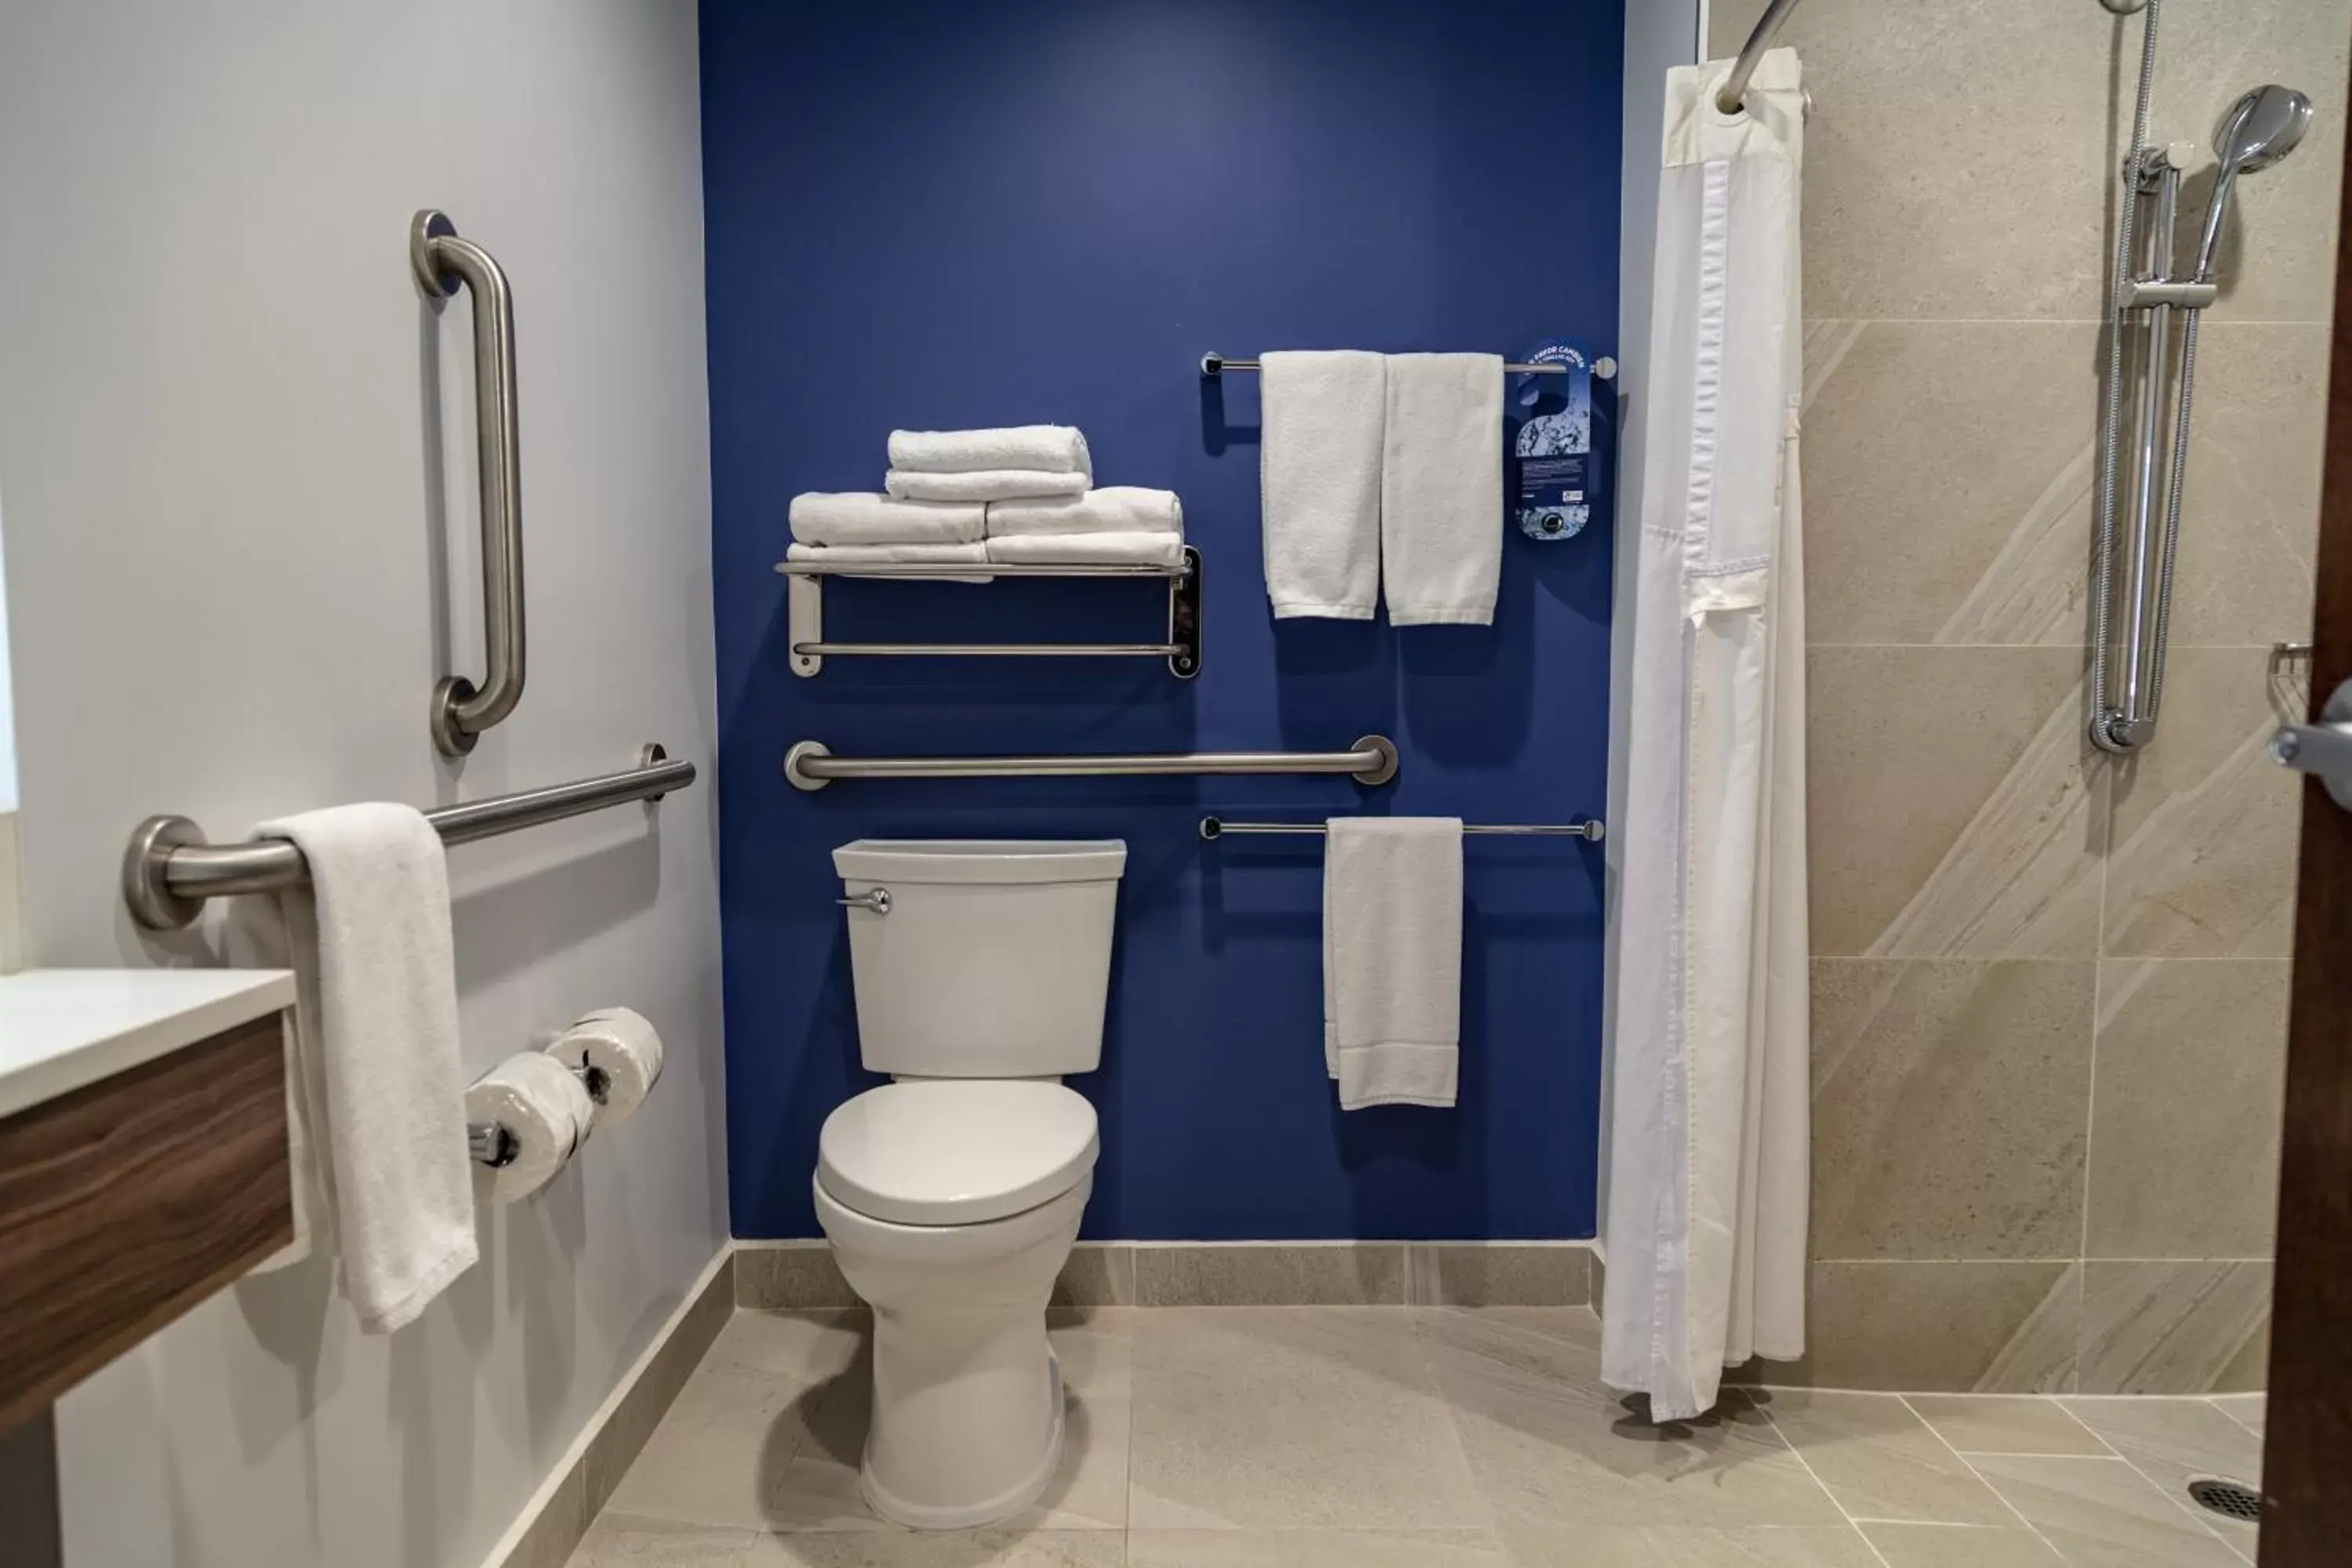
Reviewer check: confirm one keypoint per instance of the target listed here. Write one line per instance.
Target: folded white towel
(1114, 508)
(1090, 548)
(1320, 468)
(861, 517)
(621, 1053)
(1442, 488)
(975, 554)
(547, 1115)
(1056, 448)
(381, 1097)
(1392, 959)
(982, 484)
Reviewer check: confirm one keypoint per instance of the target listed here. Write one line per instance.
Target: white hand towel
(382, 1098)
(1090, 548)
(982, 484)
(861, 517)
(547, 1115)
(1442, 490)
(1056, 448)
(1114, 508)
(1320, 468)
(621, 1053)
(1392, 959)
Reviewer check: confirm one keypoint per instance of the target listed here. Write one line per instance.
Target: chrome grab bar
(169, 869)
(460, 710)
(1214, 365)
(1591, 829)
(1372, 760)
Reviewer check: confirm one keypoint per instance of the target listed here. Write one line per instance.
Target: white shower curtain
(1706, 1224)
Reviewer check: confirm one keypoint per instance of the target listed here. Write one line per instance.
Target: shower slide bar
(169, 869)
(442, 261)
(1372, 760)
(1214, 365)
(1591, 830)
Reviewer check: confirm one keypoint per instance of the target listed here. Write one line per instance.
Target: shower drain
(2230, 1500)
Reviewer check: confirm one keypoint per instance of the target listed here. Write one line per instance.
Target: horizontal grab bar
(1591, 830)
(1214, 365)
(1372, 760)
(959, 571)
(992, 649)
(169, 869)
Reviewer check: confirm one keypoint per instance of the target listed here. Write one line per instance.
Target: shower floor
(1302, 1436)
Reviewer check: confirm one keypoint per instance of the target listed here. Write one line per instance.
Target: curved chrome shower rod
(1733, 96)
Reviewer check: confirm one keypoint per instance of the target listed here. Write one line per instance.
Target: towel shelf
(1372, 760)
(1591, 830)
(805, 613)
(169, 870)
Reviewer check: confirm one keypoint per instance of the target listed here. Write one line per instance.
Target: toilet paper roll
(620, 1046)
(546, 1111)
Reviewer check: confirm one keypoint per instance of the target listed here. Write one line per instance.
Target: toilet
(951, 1194)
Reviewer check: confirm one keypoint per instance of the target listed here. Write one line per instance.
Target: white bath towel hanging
(1392, 959)
(1319, 472)
(1442, 490)
(1711, 1079)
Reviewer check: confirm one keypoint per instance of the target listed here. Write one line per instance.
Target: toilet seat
(951, 1151)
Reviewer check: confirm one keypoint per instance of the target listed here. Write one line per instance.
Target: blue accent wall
(941, 214)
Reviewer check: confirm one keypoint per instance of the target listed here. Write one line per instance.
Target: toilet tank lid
(981, 859)
(956, 1150)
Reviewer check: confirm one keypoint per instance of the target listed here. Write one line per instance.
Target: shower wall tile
(2202, 860)
(1925, 197)
(1950, 1104)
(2249, 509)
(2174, 1326)
(1933, 1328)
(1954, 813)
(2188, 1104)
(1948, 468)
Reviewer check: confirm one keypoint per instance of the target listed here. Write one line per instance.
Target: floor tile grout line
(2195, 1514)
(1487, 1507)
(1799, 1454)
(1986, 1481)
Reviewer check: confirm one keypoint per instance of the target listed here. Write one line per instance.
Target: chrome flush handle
(875, 899)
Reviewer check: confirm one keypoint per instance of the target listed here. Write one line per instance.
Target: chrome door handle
(875, 899)
(2322, 750)
(442, 262)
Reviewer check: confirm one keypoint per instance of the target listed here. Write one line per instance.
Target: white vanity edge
(64, 1029)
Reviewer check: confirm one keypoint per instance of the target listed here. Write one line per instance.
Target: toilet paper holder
(492, 1144)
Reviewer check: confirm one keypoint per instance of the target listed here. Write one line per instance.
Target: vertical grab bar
(460, 710)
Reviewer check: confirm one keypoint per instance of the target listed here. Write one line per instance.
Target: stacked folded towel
(1023, 494)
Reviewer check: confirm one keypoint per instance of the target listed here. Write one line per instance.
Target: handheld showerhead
(2253, 134)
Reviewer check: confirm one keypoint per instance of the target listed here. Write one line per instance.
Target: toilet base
(916, 1516)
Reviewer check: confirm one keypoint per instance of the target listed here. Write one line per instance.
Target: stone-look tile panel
(2250, 512)
(1955, 814)
(2005, 1424)
(1275, 1274)
(2174, 1441)
(1098, 1274)
(1911, 535)
(1951, 1101)
(1922, 204)
(1943, 1546)
(1497, 1274)
(795, 1277)
(2188, 1101)
(1315, 1549)
(2174, 1328)
(2248, 1410)
(1993, 1328)
(1878, 1459)
(630, 1541)
(718, 1455)
(2102, 1513)
(551, 1538)
(1536, 1545)
(2202, 863)
(1266, 1418)
(999, 1546)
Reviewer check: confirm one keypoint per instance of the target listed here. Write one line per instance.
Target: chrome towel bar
(441, 260)
(169, 869)
(1591, 829)
(1214, 365)
(1372, 760)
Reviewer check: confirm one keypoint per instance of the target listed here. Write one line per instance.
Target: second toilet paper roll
(546, 1112)
(620, 1046)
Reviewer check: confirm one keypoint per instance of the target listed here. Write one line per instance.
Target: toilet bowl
(952, 1197)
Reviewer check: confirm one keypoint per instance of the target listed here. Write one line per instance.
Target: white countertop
(62, 1029)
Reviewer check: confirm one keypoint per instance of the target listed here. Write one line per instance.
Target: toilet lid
(956, 1150)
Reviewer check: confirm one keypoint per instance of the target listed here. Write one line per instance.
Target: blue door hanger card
(1562, 447)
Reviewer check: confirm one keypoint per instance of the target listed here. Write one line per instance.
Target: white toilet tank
(992, 960)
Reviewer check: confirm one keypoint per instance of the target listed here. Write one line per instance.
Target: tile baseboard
(800, 1275)
(559, 1513)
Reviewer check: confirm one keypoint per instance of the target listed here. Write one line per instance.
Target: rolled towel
(1055, 449)
(982, 484)
(546, 1112)
(620, 1056)
(1089, 549)
(861, 517)
(1115, 509)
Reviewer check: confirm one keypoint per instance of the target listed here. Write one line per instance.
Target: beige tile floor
(1392, 1438)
